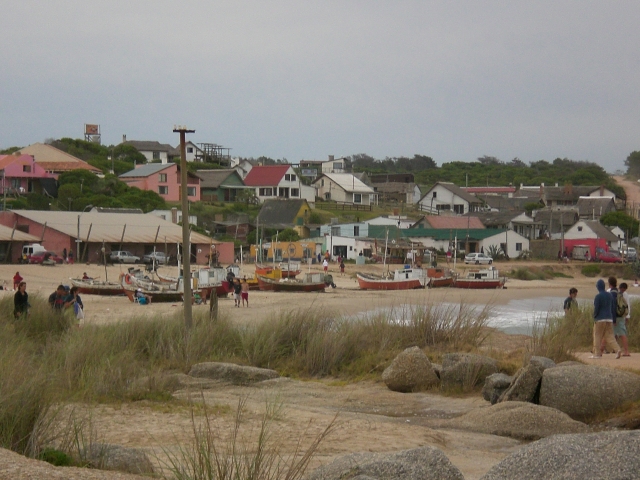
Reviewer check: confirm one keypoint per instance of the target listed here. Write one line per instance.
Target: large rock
(525, 386)
(410, 371)
(543, 362)
(494, 386)
(425, 463)
(521, 420)
(18, 467)
(593, 456)
(105, 456)
(232, 373)
(582, 391)
(466, 370)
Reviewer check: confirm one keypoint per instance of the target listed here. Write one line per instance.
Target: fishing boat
(439, 277)
(404, 279)
(480, 278)
(311, 282)
(97, 287)
(156, 295)
(291, 270)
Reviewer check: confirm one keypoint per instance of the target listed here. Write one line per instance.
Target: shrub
(591, 270)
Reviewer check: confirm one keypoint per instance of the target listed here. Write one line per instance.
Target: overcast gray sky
(454, 80)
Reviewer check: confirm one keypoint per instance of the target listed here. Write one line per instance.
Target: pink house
(164, 179)
(21, 174)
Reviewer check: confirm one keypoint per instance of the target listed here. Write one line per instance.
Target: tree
(516, 162)
(486, 160)
(633, 164)
(288, 235)
(622, 220)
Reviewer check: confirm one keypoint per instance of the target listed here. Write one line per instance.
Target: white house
(274, 181)
(344, 188)
(315, 168)
(347, 247)
(514, 242)
(447, 197)
(399, 221)
(592, 230)
(351, 230)
(153, 151)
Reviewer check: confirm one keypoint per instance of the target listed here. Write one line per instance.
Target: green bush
(591, 270)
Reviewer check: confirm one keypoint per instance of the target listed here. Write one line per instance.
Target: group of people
(611, 312)
(240, 292)
(60, 300)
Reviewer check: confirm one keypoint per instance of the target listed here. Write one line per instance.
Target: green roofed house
(220, 185)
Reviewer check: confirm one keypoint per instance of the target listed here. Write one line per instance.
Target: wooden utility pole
(186, 248)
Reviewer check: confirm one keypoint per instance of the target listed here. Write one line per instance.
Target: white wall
(443, 197)
(511, 238)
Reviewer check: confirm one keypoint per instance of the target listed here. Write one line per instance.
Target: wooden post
(7, 258)
(86, 243)
(122, 237)
(213, 306)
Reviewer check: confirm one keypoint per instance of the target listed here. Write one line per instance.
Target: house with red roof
(21, 174)
(164, 179)
(274, 181)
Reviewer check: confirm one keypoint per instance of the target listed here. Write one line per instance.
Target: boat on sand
(477, 278)
(404, 279)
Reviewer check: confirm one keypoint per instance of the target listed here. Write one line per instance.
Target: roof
(109, 227)
(394, 187)
(215, 178)
(449, 222)
(18, 236)
(146, 170)
(505, 203)
(489, 219)
(601, 231)
(280, 213)
(595, 205)
(567, 217)
(489, 190)
(380, 232)
(152, 146)
(266, 175)
(6, 160)
(348, 182)
(456, 190)
(566, 192)
(55, 160)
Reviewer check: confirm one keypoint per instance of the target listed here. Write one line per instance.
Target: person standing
(325, 265)
(341, 267)
(620, 328)
(21, 301)
(76, 302)
(603, 322)
(64, 255)
(70, 257)
(60, 299)
(570, 302)
(245, 292)
(237, 292)
(16, 280)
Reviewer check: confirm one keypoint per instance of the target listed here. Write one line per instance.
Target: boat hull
(267, 284)
(156, 297)
(440, 282)
(89, 288)
(371, 283)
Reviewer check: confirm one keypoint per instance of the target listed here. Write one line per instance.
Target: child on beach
(245, 292)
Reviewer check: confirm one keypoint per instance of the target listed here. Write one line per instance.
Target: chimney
(174, 215)
(602, 190)
(124, 138)
(331, 158)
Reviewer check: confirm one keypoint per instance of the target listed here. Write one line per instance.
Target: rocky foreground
(539, 412)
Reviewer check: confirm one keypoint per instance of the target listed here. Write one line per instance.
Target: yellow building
(299, 251)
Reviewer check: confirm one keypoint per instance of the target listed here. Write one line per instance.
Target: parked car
(609, 257)
(478, 258)
(159, 257)
(122, 256)
(630, 254)
(40, 257)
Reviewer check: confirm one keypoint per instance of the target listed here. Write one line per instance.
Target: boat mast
(386, 241)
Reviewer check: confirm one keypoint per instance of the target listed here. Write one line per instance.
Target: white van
(28, 250)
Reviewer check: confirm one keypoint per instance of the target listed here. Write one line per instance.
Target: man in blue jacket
(603, 308)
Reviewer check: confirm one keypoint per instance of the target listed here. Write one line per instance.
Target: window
(357, 198)
(289, 177)
(189, 149)
(518, 247)
(191, 191)
(295, 192)
(156, 155)
(579, 229)
(356, 231)
(265, 192)
(163, 190)
(327, 196)
(435, 194)
(335, 231)
(26, 168)
(163, 178)
(322, 182)
(459, 209)
(443, 207)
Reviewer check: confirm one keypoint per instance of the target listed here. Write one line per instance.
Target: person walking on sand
(603, 322)
(341, 267)
(325, 265)
(245, 292)
(16, 280)
(21, 301)
(570, 303)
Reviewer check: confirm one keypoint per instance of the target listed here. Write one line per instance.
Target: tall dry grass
(47, 361)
